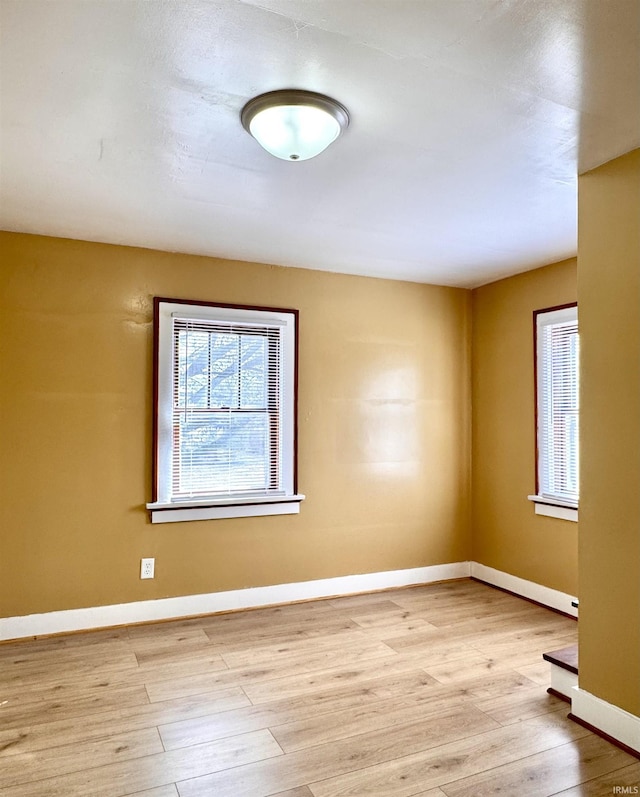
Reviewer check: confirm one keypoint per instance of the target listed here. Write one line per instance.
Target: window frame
(165, 507)
(545, 503)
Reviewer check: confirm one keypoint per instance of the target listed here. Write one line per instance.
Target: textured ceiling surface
(470, 120)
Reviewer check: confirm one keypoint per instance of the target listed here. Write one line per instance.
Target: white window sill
(226, 508)
(554, 507)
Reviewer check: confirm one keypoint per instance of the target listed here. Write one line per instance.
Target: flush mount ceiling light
(293, 124)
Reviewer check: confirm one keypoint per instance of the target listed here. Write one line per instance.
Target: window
(224, 425)
(557, 411)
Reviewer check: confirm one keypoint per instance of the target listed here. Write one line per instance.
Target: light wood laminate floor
(421, 692)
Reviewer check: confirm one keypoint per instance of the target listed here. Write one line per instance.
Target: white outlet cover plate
(147, 568)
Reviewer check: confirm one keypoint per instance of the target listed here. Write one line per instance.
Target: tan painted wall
(609, 296)
(384, 434)
(507, 535)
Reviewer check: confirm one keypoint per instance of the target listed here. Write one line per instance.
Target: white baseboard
(615, 722)
(191, 605)
(527, 589)
(255, 597)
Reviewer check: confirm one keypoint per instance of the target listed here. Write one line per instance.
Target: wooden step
(567, 658)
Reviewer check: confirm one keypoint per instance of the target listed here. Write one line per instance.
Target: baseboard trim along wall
(552, 598)
(606, 718)
(256, 597)
(211, 603)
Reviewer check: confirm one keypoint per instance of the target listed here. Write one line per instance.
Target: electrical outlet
(147, 568)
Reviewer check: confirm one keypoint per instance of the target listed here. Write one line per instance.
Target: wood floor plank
(16, 678)
(23, 767)
(52, 685)
(523, 642)
(352, 674)
(477, 617)
(403, 776)
(155, 643)
(399, 627)
(515, 707)
(432, 599)
(352, 722)
(239, 639)
(371, 600)
(199, 683)
(267, 654)
(424, 640)
(350, 606)
(345, 756)
(251, 672)
(368, 621)
(294, 613)
(181, 666)
(430, 653)
(517, 658)
(124, 719)
(162, 791)
(494, 685)
(539, 672)
(16, 712)
(56, 686)
(161, 769)
(473, 665)
(25, 660)
(545, 773)
(476, 612)
(293, 709)
(508, 632)
(159, 628)
(177, 653)
(299, 620)
(36, 683)
(603, 786)
(80, 639)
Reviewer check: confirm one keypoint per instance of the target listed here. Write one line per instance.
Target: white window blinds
(226, 409)
(558, 352)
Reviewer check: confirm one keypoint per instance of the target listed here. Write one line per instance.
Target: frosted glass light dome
(294, 125)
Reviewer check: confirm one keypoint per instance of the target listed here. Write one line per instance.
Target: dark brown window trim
(157, 300)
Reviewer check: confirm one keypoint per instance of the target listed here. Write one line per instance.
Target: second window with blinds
(557, 361)
(224, 425)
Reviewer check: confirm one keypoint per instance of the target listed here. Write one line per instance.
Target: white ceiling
(470, 120)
